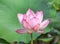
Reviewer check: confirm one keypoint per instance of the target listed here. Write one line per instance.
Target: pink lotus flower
(32, 22)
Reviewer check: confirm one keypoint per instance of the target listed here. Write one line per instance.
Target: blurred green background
(9, 22)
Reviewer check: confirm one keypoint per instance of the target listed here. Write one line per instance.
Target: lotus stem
(31, 38)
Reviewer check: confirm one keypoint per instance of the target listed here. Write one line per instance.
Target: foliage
(9, 22)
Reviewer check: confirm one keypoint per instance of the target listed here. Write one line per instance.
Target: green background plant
(9, 22)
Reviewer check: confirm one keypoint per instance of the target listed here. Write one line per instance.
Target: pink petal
(25, 18)
(26, 24)
(20, 17)
(30, 14)
(21, 31)
(34, 21)
(39, 15)
(36, 27)
(44, 24)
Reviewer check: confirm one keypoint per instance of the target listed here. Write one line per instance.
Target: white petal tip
(29, 10)
(18, 14)
(41, 12)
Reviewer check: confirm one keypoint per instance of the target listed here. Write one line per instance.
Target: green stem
(31, 38)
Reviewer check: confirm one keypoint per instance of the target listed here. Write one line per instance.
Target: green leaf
(35, 35)
(46, 30)
(46, 39)
(8, 17)
(2, 41)
(52, 13)
(56, 21)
